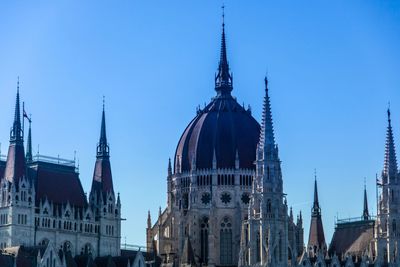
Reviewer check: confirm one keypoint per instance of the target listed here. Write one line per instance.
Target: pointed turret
(267, 139)
(316, 210)
(223, 79)
(148, 220)
(390, 169)
(102, 177)
(169, 168)
(15, 166)
(365, 211)
(316, 240)
(29, 153)
(102, 147)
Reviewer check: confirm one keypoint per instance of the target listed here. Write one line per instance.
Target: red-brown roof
(352, 238)
(59, 184)
(15, 166)
(102, 177)
(317, 236)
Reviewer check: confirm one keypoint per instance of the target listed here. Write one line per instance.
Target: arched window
(43, 242)
(204, 240)
(258, 247)
(269, 206)
(394, 226)
(87, 249)
(67, 247)
(226, 242)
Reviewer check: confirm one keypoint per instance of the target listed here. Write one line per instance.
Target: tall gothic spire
(16, 134)
(365, 211)
(316, 210)
(15, 166)
(316, 239)
(223, 79)
(102, 177)
(267, 139)
(102, 147)
(390, 164)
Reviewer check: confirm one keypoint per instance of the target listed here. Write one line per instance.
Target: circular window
(206, 198)
(245, 198)
(226, 198)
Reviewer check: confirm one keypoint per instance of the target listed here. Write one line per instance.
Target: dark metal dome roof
(223, 128)
(221, 131)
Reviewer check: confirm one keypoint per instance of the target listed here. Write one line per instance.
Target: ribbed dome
(223, 127)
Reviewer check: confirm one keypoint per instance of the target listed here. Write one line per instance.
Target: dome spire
(223, 79)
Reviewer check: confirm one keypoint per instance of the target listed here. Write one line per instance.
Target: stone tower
(316, 240)
(388, 219)
(266, 239)
(102, 199)
(17, 190)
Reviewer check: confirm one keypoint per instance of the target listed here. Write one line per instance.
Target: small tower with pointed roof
(269, 222)
(316, 240)
(102, 199)
(17, 192)
(365, 214)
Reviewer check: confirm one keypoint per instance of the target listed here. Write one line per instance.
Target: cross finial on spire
(104, 101)
(223, 14)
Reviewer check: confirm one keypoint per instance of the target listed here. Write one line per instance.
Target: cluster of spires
(17, 159)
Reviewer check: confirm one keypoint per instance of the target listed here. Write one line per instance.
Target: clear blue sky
(333, 66)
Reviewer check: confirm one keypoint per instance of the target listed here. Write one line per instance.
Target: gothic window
(269, 206)
(258, 247)
(206, 198)
(226, 198)
(87, 249)
(67, 246)
(185, 201)
(43, 242)
(226, 242)
(394, 226)
(204, 240)
(245, 198)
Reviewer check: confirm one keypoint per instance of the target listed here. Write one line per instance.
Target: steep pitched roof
(352, 238)
(102, 177)
(317, 236)
(59, 184)
(15, 166)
